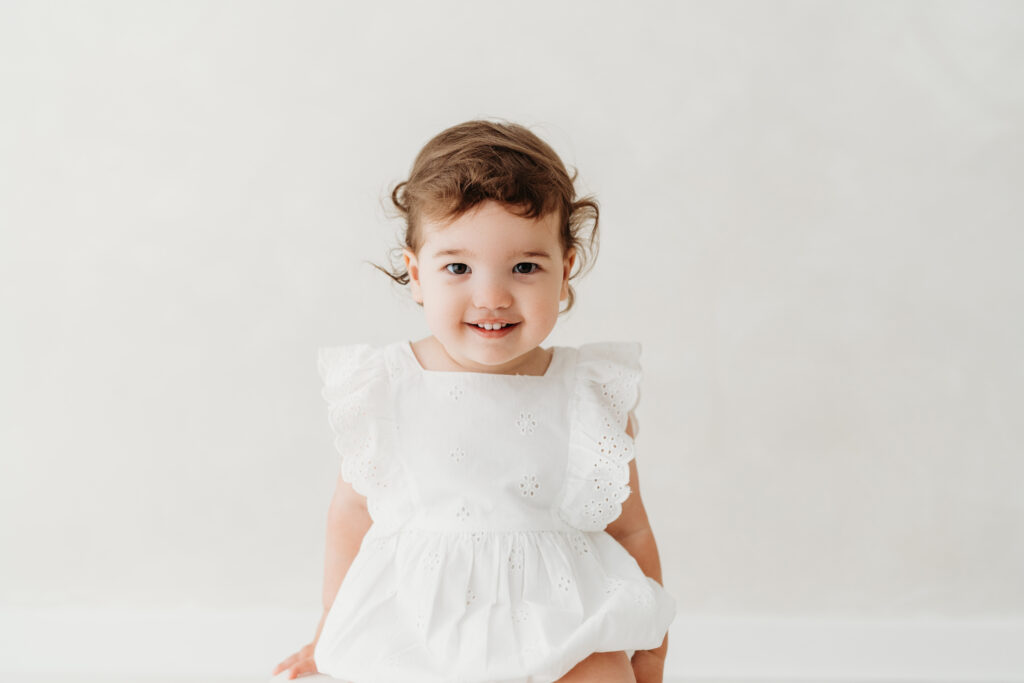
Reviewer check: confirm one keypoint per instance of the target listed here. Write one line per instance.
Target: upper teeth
(496, 326)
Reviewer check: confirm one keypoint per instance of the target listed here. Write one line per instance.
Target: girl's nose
(492, 293)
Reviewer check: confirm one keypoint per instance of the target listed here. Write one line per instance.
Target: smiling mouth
(504, 327)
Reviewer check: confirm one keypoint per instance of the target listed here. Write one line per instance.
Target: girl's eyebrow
(459, 252)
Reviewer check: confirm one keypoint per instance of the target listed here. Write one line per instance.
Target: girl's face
(490, 265)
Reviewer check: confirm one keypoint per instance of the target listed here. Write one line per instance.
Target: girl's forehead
(491, 232)
(515, 240)
(488, 220)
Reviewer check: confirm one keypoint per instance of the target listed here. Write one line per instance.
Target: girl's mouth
(490, 334)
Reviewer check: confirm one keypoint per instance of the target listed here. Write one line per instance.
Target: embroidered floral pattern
(613, 443)
(526, 422)
(515, 560)
(529, 485)
(579, 544)
(612, 585)
(432, 561)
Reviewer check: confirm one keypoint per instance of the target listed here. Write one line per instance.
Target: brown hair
(476, 161)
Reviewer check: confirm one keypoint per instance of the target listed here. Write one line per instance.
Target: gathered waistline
(439, 531)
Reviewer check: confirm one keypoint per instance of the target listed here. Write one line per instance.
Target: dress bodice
(489, 452)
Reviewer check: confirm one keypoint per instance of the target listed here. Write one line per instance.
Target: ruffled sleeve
(606, 388)
(357, 389)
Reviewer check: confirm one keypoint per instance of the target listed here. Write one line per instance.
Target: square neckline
(556, 356)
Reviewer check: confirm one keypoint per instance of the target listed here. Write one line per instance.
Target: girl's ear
(567, 263)
(413, 267)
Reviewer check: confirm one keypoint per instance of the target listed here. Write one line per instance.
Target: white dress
(487, 559)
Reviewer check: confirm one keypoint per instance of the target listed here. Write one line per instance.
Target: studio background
(810, 219)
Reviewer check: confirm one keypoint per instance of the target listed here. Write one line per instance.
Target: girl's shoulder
(345, 363)
(607, 377)
(609, 369)
(617, 356)
(348, 368)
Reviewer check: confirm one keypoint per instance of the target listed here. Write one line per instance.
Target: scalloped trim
(357, 388)
(607, 388)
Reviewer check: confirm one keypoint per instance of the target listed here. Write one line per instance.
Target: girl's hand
(299, 663)
(648, 667)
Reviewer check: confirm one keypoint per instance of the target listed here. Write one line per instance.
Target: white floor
(198, 646)
(27, 678)
(70, 678)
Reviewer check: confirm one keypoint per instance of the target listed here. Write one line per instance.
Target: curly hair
(476, 161)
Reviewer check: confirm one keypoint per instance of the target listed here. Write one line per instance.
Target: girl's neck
(432, 356)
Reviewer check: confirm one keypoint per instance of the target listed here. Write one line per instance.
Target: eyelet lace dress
(487, 559)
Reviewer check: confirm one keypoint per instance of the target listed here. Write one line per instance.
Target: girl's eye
(533, 268)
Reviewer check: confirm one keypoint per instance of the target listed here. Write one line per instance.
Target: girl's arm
(347, 523)
(633, 531)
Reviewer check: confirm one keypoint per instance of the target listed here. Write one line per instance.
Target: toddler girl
(487, 524)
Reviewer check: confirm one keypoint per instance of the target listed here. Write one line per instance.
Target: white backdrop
(811, 220)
